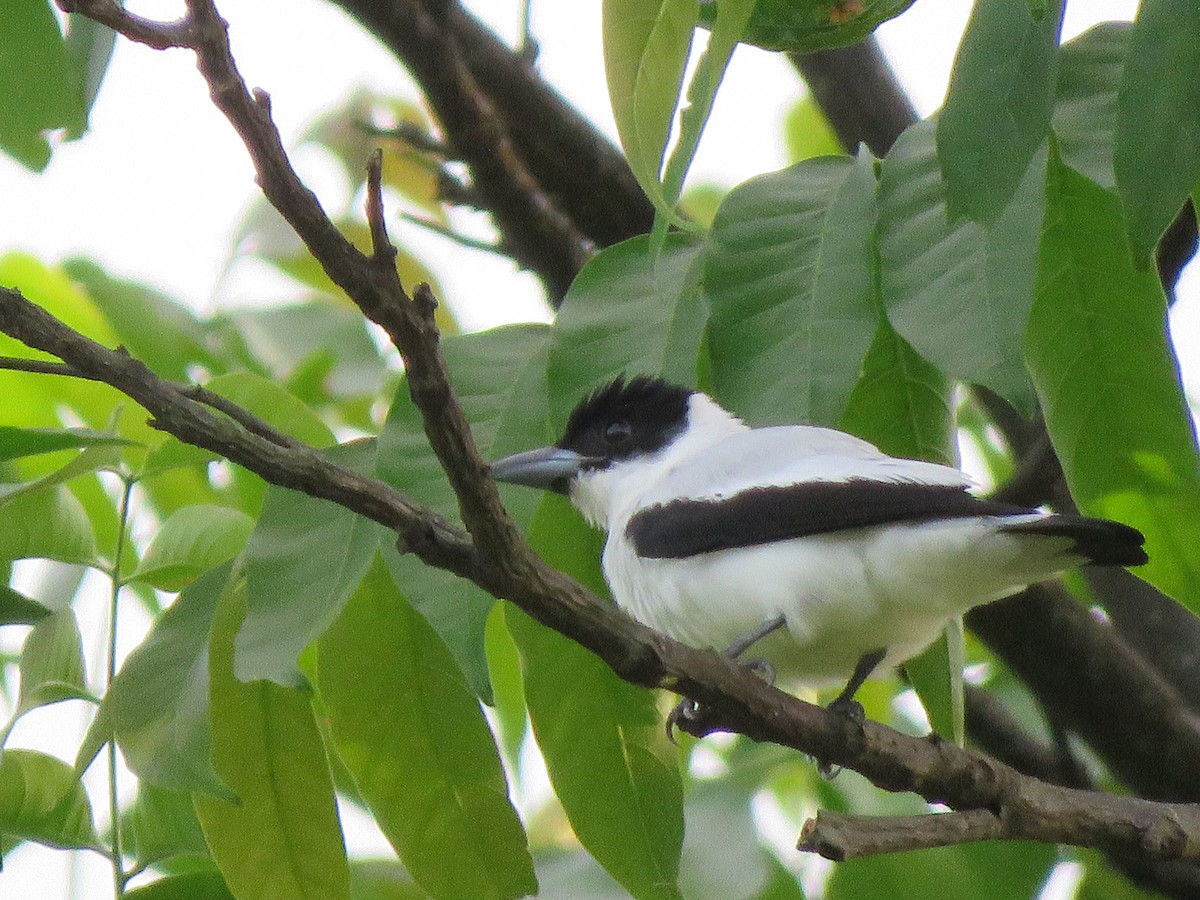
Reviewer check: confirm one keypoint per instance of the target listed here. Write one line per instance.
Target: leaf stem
(120, 878)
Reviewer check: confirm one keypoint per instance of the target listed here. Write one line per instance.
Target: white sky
(157, 187)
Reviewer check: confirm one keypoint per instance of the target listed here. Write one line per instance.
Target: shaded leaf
(997, 110)
(629, 310)
(1085, 106)
(266, 746)
(500, 379)
(187, 886)
(936, 675)
(157, 706)
(602, 738)
(41, 800)
(304, 559)
(90, 46)
(1157, 145)
(52, 666)
(192, 540)
(160, 825)
(383, 879)
(806, 26)
(790, 276)
(41, 92)
(16, 442)
(957, 291)
(1109, 382)
(421, 753)
(17, 609)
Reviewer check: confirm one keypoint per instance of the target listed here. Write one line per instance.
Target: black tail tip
(1101, 542)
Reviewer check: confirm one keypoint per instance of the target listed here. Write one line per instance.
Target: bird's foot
(689, 716)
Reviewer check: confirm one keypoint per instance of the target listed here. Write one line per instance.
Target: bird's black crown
(626, 418)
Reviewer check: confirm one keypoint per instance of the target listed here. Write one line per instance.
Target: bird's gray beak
(547, 468)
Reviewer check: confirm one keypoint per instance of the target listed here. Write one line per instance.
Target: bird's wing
(773, 484)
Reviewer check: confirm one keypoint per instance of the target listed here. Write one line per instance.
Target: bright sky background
(158, 186)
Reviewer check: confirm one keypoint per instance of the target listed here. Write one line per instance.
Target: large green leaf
(16, 442)
(161, 825)
(41, 89)
(602, 738)
(49, 523)
(806, 26)
(42, 800)
(304, 559)
(790, 276)
(957, 291)
(192, 540)
(1109, 383)
(646, 47)
(500, 378)
(1157, 152)
(1085, 105)
(157, 706)
(412, 734)
(997, 110)
(281, 837)
(630, 309)
(995, 869)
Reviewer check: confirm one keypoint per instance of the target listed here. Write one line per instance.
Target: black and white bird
(828, 556)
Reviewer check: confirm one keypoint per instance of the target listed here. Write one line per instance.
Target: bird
(827, 556)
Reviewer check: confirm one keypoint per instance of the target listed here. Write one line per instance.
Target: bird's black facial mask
(625, 419)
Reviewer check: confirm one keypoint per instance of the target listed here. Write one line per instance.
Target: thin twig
(451, 234)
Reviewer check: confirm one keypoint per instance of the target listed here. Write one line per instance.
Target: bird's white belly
(842, 594)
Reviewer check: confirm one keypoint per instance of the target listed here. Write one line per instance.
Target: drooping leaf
(602, 738)
(1109, 383)
(806, 26)
(157, 706)
(957, 291)
(500, 378)
(998, 107)
(267, 747)
(192, 540)
(49, 523)
(161, 825)
(790, 276)
(1157, 144)
(17, 609)
(646, 47)
(16, 442)
(42, 800)
(52, 666)
(412, 734)
(304, 559)
(936, 676)
(629, 310)
(1085, 105)
(90, 46)
(41, 92)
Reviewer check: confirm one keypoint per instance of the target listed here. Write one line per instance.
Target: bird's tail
(1101, 542)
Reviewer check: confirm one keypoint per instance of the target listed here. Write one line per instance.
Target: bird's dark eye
(616, 433)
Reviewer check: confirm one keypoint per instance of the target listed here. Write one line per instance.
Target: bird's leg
(844, 702)
(689, 710)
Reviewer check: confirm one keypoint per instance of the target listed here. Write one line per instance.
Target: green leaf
(415, 739)
(49, 523)
(41, 800)
(1109, 382)
(1157, 145)
(52, 666)
(957, 291)
(382, 879)
(807, 133)
(1085, 106)
(304, 559)
(646, 47)
(602, 738)
(790, 277)
(997, 110)
(507, 413)
(902, 403)
(161, 825)
(90, 46)
(965, 872)
(629, 309)
(192, 540)
(274, 405)
(266, 746)
(157, 706)
(806, 26)
(16, 442)
(17, 609)
(937, 677)
(187, 886)
(40, 88)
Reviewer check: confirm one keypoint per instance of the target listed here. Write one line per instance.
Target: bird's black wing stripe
(683, 528)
